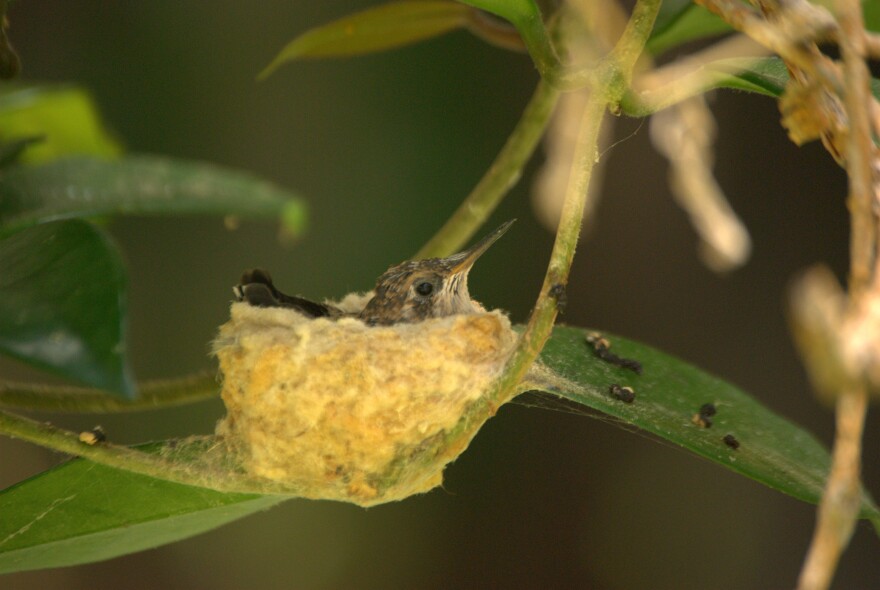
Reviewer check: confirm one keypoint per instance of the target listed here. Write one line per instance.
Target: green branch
(195, 461)
(46, 435)
(610, 83)
(632, 42)
(156, 394)
(544, 313)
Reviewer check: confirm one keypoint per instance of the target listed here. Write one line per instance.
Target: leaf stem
(155, 394)
(501, 176)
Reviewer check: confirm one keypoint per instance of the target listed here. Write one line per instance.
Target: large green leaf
(64, 117)
(669, 392)
(62, 303)
(82, 512)
(379, 28)
(84, 187)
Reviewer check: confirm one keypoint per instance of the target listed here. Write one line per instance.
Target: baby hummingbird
(409, 292)
(416, 290)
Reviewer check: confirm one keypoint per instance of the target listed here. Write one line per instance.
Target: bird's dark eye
(424, 288)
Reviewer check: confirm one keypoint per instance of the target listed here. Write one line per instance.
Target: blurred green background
(383, 148)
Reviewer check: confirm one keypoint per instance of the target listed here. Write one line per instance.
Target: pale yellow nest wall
(332, 407)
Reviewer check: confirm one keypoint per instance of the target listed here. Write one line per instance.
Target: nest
(336, 409)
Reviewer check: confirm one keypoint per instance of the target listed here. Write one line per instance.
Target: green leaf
(762, 75)
(65, 116)
(85, 187)
(680, 21)
(380, 28)
(67, 515)
(669, 392)
(62, 303)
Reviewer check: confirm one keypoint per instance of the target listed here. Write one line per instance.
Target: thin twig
(179, 462)
(860, 150)
(792, 29)
(841, 499)
(111, 455)
(685, 134)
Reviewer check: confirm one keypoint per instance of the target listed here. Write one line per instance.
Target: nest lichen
(336, 409)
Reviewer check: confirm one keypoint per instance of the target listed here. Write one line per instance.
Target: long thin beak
(463, 261)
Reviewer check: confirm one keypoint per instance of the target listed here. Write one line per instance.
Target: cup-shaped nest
(337, 409)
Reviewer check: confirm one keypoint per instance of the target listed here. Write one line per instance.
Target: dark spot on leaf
(602, 349)
(622, 393)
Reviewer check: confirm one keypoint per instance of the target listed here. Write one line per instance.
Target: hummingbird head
(416, 290)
